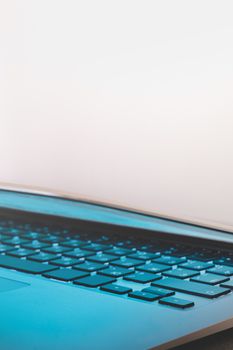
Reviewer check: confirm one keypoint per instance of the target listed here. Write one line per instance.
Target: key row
(73, 257)
(205, 289)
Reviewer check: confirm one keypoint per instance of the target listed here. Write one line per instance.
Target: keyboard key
(35, 244)
(120, 251)
(90, 266)
(143, 296)
(95, 281)
(65, 261)
(176, 302)
(97, 247)
(124, 244)
(65, 274)
(127, 262)
(79, 253)
(210, 278)
(224, 261)
(204, 255)
(6, 248)
(142, 255)
(24, 265)
(114, 288)
(197, 265)
(102, 258)
(159, 291)
(3, 237)
(115, 271)
(32, 235)
(48, 238)
(153, 268)
(222, 270)
(142, 277)
(43, 257)
(21, 252)
(228, 284)
(169, 260)
(16, 241)
(181, 273)
(74, 243)
(147, 248)
(190, 287)
(11, 232)
(56, 249)
(179, 251)
(105, 239)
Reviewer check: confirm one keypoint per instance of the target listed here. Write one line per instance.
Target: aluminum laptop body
(40, 312)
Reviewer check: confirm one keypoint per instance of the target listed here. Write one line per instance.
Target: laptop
(116, 174)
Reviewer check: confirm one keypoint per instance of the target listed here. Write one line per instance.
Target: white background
(126, 102)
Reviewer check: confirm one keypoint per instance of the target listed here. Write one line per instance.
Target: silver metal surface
(50, 314)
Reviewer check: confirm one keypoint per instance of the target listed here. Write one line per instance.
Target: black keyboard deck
(159, 268)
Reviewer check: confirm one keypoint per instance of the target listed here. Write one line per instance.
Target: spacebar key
(24, 265)
(190, 287)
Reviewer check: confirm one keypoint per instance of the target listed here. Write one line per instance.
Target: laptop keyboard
(158, 269)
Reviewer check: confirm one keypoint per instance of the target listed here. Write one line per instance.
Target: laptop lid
(127, 103)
